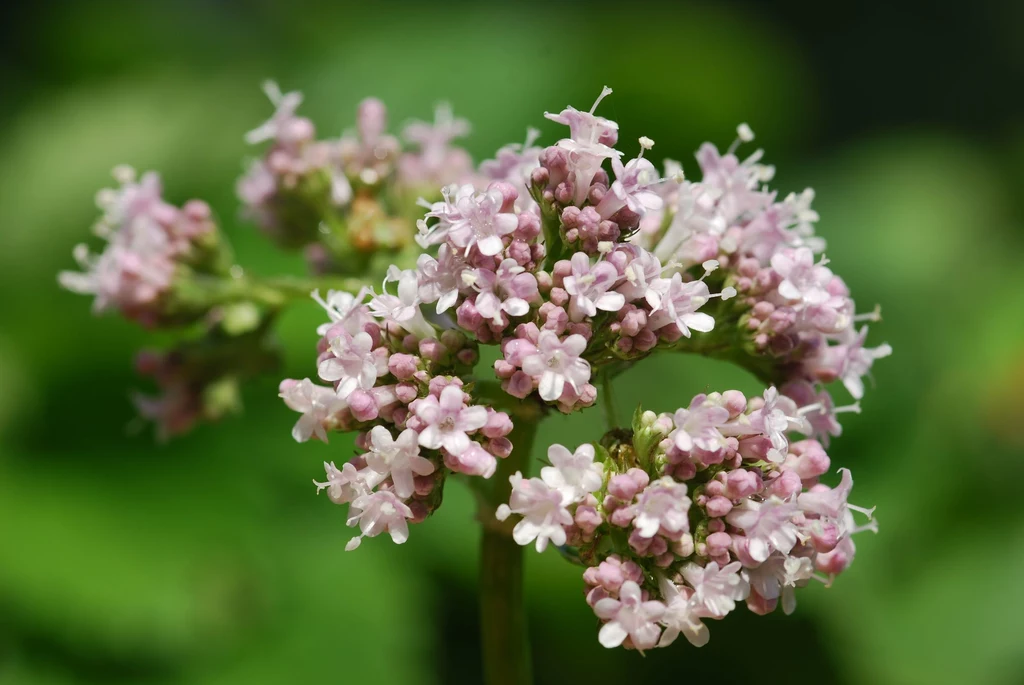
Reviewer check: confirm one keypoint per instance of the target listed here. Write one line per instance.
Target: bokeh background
(209, 560)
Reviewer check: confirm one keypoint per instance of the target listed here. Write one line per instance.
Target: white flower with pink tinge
(540, 505)
(698, 425)
(804, 281)
(682, 615)
(403, 309)
(378, 512)
(633, 186)
(447, 420)
(316, 403)
(590, 288)
(589, 143)
(768, 526)
(574, 474)
(629, 616)
(353, 362)
(859, 360)
(662, 506)
(344, 308)
(778, 576)
(398, 457)
(440, 279)
(557, 362)
(471, 218)
(347, 483)
(284, 123)
(673, 301)
(508, 290)
(716, 589)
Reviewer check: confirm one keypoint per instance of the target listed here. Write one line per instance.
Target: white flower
(682, 615)
(404, 309)
(716, 589)
(859, 361)
(557, 362)
(377, 512)
(574, 474)
(674, 301)
(629, 616)
(347, 483)
(662, 506)
(398, 457)
(316, 403)
(768, 526)
(544, 515)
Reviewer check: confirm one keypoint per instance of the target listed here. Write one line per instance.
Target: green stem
(608, 400)
(200, 292)
(503, 630)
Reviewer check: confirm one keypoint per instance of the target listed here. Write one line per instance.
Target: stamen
(605, 92)
(874, 315)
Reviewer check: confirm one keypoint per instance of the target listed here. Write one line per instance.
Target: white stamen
(123, 174)
(605, 246)
(874, 315)
(605, 92)
(745, 133)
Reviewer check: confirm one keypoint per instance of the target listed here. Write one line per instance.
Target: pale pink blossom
(590, 288)
(629, 616)
(544, 516)
(447, 420)
(555, 363)
(573, 474)
(398, 457)
(376, 513)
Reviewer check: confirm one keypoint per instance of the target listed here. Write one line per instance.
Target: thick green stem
(503, 631)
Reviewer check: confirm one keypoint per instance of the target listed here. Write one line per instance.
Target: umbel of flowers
(349, 202)
(574, 274)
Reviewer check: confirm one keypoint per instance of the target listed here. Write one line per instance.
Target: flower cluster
(540, 253)
(692, 512)
(151, 246)
(349, 198)
(395, 379)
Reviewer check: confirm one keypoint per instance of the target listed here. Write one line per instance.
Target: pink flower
(353, 363)
(803, 280)
(557, 362)
(676, 302)
(440, 280)
(590, 288)
(698, 425)
(403, 309)
(508, 290)
(447, 420)
(662, 507)
(347, 483)
(544, 516)
(629, 616)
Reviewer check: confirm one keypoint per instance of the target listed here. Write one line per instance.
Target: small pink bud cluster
(701, 509)
(149, 242)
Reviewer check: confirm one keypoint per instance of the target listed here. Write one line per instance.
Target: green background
(209, 560)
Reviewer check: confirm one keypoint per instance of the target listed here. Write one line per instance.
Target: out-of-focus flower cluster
(350, 199)
(573, 276)
(151, 247)
(689, 513)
